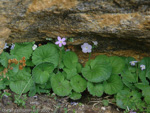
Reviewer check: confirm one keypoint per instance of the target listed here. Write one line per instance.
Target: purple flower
(12, 46)
(132, 111)
(142, 67)
(133, 63)
(86, 48)
(5, 47)
(60, 41)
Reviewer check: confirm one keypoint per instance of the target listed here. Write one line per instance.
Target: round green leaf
(98, 60)
(117, 64)
(4, 59)
(46, 53)
(42, 72)
(20, 86)
(21, 82)
(98, 72)
(70, 72)
(113, 85)
(75, 96)
(2, 85)
(70, 59)
(22, 50)
(79, 67)
(60, 86)
(95, 89)
(78, 83)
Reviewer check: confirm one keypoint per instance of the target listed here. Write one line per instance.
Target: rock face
(35, 20)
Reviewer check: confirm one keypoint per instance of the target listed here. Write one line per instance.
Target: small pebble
(103, 108)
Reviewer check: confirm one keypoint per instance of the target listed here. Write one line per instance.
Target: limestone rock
(35, 20)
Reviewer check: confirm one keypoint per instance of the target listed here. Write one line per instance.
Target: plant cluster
(32, 69)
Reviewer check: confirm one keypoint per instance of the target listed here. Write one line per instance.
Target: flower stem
(89, 56)
(60, 57)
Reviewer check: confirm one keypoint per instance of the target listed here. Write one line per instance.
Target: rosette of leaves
(42, 72)
(95, 89)
(46, 53)
(60, 85)
(78, 83)
(75, 96)
(132, 99)
(70, 59)
(22, 50)
(113, 85)
(97, 70)
(21, 82)
(117, 64)
(143, 74)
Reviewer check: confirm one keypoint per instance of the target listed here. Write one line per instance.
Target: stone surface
(35, 20)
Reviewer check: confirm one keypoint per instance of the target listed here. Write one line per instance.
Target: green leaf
(22, 50)
(113, 85)
(117, 64)
(75, 96)
(21, 82)
(70, 59)
(129, 76)
(2, 85)
(78, 83)
(79, 67)
(20, 86)
(95, 89)
(146, 72)
(147, 99)
(97, 72)
(141, 85)
(128, 84)
(128, 98)
(14, 71)
(4, 59)
(29, 63)
(70, 72)
(46, 53)
(60, 86)
(98, 60)
(42, 72)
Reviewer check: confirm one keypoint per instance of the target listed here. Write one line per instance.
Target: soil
(50, 103)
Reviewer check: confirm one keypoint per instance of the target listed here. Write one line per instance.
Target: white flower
(142, 67)
(5, 47)
(133, 63)
(95, 43)
(34, 46)
(12, 46)
(86, 48)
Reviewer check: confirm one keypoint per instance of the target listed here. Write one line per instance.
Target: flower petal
(57, 42)
(59, 38)
(63, 39)
(60, 44)
(64, 43)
